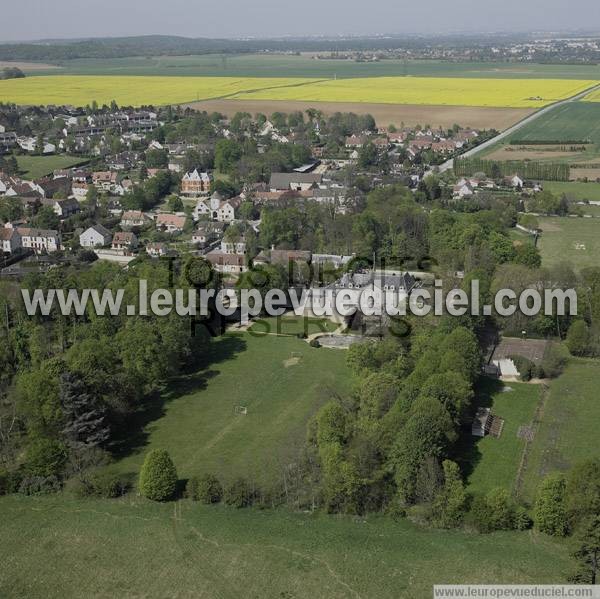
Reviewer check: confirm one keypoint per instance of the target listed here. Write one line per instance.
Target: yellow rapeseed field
(129, 90)
(136, 91)
(510, 93)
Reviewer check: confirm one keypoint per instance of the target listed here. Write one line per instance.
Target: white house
(95, 236)
(39, 240)
(10, 240)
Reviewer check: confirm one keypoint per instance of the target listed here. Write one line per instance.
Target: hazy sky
(35, 19)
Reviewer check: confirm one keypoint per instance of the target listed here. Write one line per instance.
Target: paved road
(507, 132)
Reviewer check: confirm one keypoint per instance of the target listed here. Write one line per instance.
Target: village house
(294, 181)
(95, 236)
(79, 190)
(63, 208)
(207, 233)
(234, 246)
(216, 208)
(134, 218)
(10, 240)
(227, 263)
(39, 240)
(104, 180)
(170, 223)
(195, 184)
(157, 250)
(124, 241)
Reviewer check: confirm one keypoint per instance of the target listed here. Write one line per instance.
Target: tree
(175, 204)
(550, 515)
(587, 554)
(582, 493)
(45, 457)
(578, 338)
(450, 505)
(158, 476)
(85, 417)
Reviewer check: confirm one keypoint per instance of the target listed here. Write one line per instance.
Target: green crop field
(263, 65)
(491, 462)
(56, 547)
(195, 420)
(572, 240)
(568, 431)
(575, 121)
(34, 167)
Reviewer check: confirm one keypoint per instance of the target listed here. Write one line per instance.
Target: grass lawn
(569, 428)
(281, 380)
(34, 167)
(573, 240)
(491, 462)
(55, 547)
(574, 190)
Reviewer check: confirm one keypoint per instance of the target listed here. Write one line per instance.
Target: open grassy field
(575, 190)
(568, 431)
(281, 380)
(127, 90)
(56, 547)
(575, 121)
(305, 65)
(489, 462)
(573, 240)
(34, 167)
(431, 90)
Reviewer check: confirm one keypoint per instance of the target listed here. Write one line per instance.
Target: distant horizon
(35, 20)
(324, 36)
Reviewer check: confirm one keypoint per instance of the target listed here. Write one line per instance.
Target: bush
(99, 484)
(497, 511)
(527, 369)
(45, 458)
(158, 477)
(39, 485)
(238, 494)
(314, 343)
(206, 489)
(522, 520)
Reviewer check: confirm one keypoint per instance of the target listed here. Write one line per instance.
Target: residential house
(79, 190)
(234, 246)
(216, 208)
(157, 250)
(514, 181)
(124, 241)
(170, 223)
(134, 218)
(195, 184)
(104, 180)
(227, 263)
(10, 240)
(294, 181)
(39, 240)
(95, 236)
(63, 208)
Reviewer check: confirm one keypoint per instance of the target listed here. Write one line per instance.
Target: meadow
(127, 90)
(490, 462)
(572, 240)
(35, 167)
(431, 90)
(568, 431)
(576, 190)
(305, 65)
(195, 418)
(133, 548)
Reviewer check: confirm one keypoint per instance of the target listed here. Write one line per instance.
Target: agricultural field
(130, 91)
(134, 548)
(196, 420)
(572, 240)
(568, 431)
(574, 121)
(127, 90)
(431, 90)
(490, 462)
(34, 167)
(305, 65)
(384, 114)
